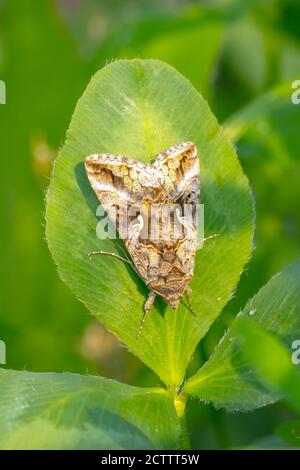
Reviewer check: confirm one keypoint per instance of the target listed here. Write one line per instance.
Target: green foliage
(226, 379)
(258, 112)
(238, 54)
(68, 411)
(290, 432)
(267, 136)
(269, 443)
(168, 38)
(270, 360)
(137, 108)
(33, 122)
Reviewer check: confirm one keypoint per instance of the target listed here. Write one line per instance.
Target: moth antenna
(211, 236)
(93, 253)
(130, 262)
(125, 254)
(115, 255)
(148, 304)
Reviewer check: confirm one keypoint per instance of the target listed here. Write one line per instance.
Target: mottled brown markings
(122, 184)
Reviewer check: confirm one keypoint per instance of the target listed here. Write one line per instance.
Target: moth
(136, 195)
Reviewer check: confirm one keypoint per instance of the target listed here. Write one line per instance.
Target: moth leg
(147, 306)
(125, 254)
(188, 293)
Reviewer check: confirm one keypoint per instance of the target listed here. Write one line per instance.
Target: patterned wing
(165, 263)
(178, 170)
(117, 182)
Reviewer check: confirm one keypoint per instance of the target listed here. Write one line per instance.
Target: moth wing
(179, 172)
(121, 185)
(116, 180)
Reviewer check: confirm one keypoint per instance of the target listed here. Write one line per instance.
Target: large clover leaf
(138, 108)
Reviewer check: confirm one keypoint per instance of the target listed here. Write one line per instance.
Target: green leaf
(168, 38)
(248, 64)
(68, 411)
(269, 151)
(43, 112)
(138, 108)
(290, 432)
(267, 443)
(226, 379)
(270, 360)
(277, 100)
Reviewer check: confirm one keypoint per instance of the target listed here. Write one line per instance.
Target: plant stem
(183, 440)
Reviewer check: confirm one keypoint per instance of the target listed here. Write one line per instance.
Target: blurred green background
(233, 52)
